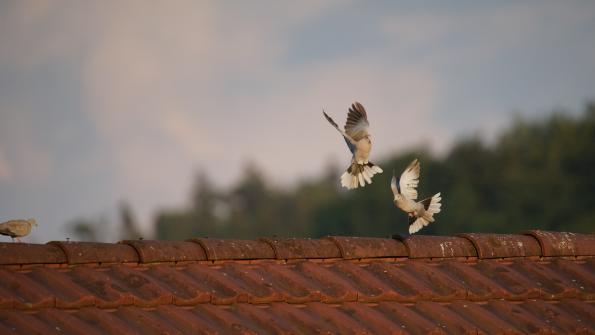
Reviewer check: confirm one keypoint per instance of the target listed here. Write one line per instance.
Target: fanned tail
(359, 174)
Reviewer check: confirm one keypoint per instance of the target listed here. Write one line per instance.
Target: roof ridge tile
(533, 243)
(555, 243)
(228, 249)
(152, 251)
(303, 248)
(369, 247)
(25, 253)
(95, 252)
(503, 245)
(433, 246)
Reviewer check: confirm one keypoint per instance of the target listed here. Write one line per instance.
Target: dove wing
(409, 180)
(4, 229)
(357, 123)
(19, 228)
(348, 139)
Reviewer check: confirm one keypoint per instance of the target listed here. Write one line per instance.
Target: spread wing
(409, 180)
(357, 122)
(349, 142)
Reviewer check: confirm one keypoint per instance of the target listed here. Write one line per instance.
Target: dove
(405, 194)
(361, 170)
(17, 228)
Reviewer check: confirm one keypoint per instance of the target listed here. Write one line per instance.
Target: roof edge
(528, 244)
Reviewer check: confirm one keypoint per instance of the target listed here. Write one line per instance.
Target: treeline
(536, 175)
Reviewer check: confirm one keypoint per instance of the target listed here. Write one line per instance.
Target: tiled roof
(472, 283)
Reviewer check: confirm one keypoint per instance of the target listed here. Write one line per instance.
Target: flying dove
(358, 141)
(420, 213)
(17, 228)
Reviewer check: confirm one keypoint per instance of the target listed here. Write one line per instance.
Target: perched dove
(17, 228)
(420, 213)
(358, 141)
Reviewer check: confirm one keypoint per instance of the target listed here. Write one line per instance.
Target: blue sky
(108, 101)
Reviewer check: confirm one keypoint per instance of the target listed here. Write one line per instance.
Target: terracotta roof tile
(299, 248)
(331, 286)
(222, 249)
(23, 253)
(405, 287)
(26, 323)
(293, 289)
(167, 251)
(446, 319)
(339, 319)
(92, 252)
(473, 283)
(503, 245)
(22, 292)
(369, 247)
(107, 321)
(425, 317)
(564, 244)
(300, 318)
(370, 317)
(408, 320)
(483, 320)
(420, 246)
(105, 288)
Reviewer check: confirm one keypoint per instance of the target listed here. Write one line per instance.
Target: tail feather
(432, 206)
(357, 175)
(367, 174)
(417, 225)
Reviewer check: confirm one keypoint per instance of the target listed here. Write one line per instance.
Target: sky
(110, 101)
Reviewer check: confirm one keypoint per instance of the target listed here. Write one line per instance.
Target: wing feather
(357, 123)
(409, 180)
(350, 145)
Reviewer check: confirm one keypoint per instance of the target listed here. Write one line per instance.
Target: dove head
(32, 222)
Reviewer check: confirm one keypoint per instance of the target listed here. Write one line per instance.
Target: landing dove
(405, 194)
